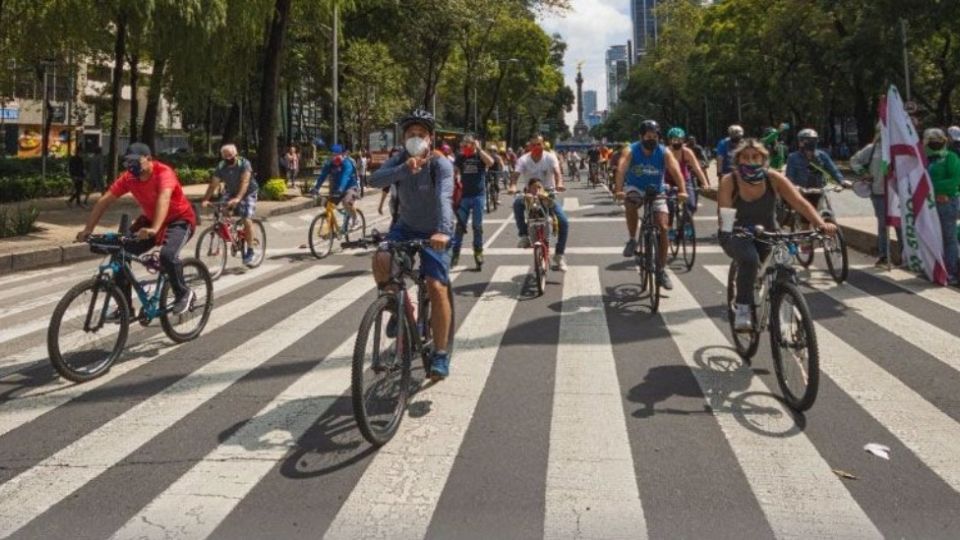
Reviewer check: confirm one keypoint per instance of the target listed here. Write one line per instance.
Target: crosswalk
(273, 367)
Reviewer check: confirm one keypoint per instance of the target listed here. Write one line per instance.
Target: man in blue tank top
(646, 163)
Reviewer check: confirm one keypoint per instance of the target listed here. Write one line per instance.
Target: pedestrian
(362, 165)
(868, 164)
(95, 174)
(76, 168)
(944, 168)
(954, 133)
(291, 165)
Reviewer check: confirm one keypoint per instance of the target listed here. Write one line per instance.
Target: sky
(589, 29)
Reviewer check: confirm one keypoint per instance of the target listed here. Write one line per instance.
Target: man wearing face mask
(341, 169)
(239, 192)
(725, 149)
(168, 219)
(471, 166)
(646, 163)
(423, 183)
(538, 163)
(808, 167)
(944, 169)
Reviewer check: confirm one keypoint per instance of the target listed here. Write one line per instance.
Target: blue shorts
(246, 207)
(433, 264)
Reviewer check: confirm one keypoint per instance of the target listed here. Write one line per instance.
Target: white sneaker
(524, 242)
(559, 263)
(743, 320)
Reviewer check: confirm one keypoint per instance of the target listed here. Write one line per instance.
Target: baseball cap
(136, 151)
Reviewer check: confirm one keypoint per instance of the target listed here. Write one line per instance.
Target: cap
(137, 150)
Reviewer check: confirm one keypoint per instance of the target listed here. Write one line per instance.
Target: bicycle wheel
(794, 344)
(82, 340)
(259, 244)
(424, 322)
(640, 256)
(188, 325)
(212, 250)
(805, 249)
(835, 252)
(746, 343)
(358, 225)
(653, 263)
(539, 268)
(321, 236)
(677, 220)
(380, 374)
(688, 244)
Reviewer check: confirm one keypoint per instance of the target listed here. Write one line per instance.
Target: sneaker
(392, 327)
(664, 281)
(559, 263)
(524, 242)
(439, 366)
(630, 249)
(248, 256)
(183, 303)
(478, 257)
(881, 262)
(743, 319)
(455, 258)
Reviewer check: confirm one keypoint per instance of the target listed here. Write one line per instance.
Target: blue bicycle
(90, 325)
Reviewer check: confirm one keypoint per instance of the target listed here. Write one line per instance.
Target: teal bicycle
(90, 325)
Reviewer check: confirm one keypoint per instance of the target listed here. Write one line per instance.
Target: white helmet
(735, 131)
(807, 134)
(954, 133)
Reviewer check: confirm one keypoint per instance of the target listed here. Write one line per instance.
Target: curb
(71, 253)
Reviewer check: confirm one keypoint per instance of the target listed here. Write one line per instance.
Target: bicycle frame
(120, 264)
(230, 230)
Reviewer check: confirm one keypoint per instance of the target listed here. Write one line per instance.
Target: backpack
(253, 187)
(457, 187)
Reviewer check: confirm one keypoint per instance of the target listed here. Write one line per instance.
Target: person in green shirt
(778, 150)
(944, 169)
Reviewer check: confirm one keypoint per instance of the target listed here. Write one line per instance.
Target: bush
(274, 190)
(189, 161)
(22, 188)
(17, 221)
(191, 176)
(12, 166)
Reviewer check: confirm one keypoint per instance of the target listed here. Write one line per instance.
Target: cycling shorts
(433, 264)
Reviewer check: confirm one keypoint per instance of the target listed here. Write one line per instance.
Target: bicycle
(683, 233)
(573, 171)
(213, 242)
(541, 222)
(385, 361)
(648, 245)
(594, 174)
(778, 305)
(326, 229)
(493, 190)
(834, 248)
(96, 314)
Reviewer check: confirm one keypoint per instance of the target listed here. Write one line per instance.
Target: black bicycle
(90, 325)
(683, 233)
(780, 305)
(648, 245)
(392, 332)
(493, 189)
(834, 247)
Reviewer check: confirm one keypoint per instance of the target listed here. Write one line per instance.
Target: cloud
(589, 29)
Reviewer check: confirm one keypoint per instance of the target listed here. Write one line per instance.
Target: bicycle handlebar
(761, 234)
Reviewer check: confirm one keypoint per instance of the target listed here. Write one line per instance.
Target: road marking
(782, 470)
(497, 234)
(407, 476)
(598, 250)
(30, 405)
(912, 283)
(591, 486)
(32, 492)
(597, 219)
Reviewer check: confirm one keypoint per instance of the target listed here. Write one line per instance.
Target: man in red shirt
(167, 220)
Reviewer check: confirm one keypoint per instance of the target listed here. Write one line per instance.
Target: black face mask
(650, 144)
(936, 146)
(809, 145)
(736, 139)
(676, 145)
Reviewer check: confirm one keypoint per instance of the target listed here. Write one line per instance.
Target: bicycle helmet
(954, 133)
(934, 134)
(676, 133)
(419, 116)
(649, 125)
(735, 131)
(808, 135)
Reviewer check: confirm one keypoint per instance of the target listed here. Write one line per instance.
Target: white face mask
(416, 146)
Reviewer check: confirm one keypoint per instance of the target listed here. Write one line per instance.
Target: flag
(910, 201)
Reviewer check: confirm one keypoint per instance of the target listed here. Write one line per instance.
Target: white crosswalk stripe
(943, 296)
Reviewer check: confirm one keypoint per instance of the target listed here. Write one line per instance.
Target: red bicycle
(212, 246)
(540, 224)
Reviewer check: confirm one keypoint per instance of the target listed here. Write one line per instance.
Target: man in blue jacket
(345, 184)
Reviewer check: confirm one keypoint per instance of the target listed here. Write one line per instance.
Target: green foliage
(189, 176)
(17, 221)
(31, 166)
(274, 189)
(22, 188)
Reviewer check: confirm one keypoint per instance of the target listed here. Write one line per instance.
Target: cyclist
(689, 166)
(593, 164)
(543, 165)
(646, 163)
(808, 166)
(573, 164)
(239, 192)
(778, 150)
(698, 151)
(423, 183)
(752, 189)
(725, 149)
(471, 167)
(341, 167)
(168, 219)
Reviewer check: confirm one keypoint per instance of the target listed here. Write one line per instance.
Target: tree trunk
(134, 101)
(232, 125)
(151, 115)
(267, 166)
(119, 51)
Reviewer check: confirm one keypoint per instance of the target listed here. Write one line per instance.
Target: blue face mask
(134, 167)
(752, 173)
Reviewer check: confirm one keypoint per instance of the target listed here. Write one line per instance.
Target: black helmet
(419, 116)
(649, 125)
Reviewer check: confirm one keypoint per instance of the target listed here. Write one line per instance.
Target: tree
(372, 88)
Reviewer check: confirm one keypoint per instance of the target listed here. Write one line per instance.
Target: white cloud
(589, 29)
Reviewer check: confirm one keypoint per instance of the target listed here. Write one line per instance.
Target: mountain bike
(834, 248)
(392, 332)
(541, 222)
(228, 237)
(90, 324)
(683, 233)
(780, 306)
(648, 245)
(493, 190)
(326, 229)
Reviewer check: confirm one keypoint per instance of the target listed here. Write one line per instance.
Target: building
(595, 118)
(617, 69)
(645, 26)
(589, 102)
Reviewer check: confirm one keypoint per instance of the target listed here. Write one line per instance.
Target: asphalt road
(574, 414)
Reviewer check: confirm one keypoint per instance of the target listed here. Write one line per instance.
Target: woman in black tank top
(752, 189)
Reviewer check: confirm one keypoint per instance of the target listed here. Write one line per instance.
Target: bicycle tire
(362, 228)
(423, 316)
(796, 400)
(677, 228)
(640, 258)
(805, 260)
(745, 343)
(320, 244)
(196, 276)
(378, 433)
(539, 269)
(212, 250)
(259, 247)
(689, 242)
(653, 259)
(839, 269)
(61, 360)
